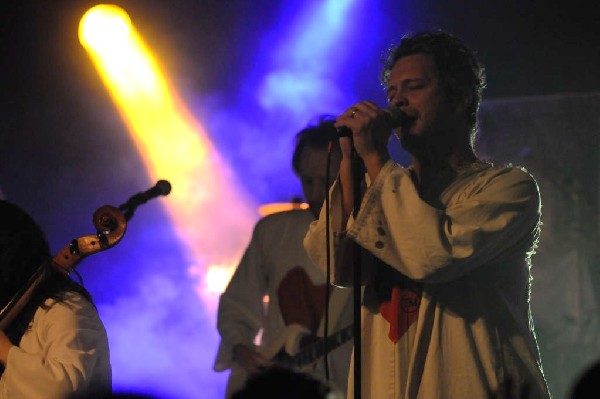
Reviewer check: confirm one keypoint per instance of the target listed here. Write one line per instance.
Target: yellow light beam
(211, 216)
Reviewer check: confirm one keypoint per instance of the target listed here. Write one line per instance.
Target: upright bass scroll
(110, 223)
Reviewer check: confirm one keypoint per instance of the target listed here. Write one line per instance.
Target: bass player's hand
(249, 359)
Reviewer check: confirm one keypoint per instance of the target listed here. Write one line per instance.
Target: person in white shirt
(56, 347)
(275, 264)
(446, 304)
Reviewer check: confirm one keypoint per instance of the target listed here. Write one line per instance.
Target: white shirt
(275, 260)
(471, 330)
(64, 351)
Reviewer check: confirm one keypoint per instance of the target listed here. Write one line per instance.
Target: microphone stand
(357, 176)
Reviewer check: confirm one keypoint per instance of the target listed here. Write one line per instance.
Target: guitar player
(276, 265)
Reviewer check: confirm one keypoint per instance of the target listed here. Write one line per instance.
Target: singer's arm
(341, 219)
(371, 127)
(341, 210)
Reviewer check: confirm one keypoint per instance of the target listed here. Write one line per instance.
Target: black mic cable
(328, 260)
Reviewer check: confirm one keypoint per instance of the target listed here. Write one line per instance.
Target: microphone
(162, 187)
(396, 118)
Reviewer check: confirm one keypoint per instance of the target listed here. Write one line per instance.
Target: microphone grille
(164, 187)
(396, 116)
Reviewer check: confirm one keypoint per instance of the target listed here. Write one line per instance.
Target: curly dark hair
(460, 72)
(317, 134)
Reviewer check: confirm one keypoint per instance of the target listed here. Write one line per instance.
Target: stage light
(212, 217)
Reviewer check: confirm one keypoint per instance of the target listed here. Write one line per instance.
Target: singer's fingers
(360, 117)
(368, 106)
(365, 110)
(355, 109)
(351, 112)
(346, 119)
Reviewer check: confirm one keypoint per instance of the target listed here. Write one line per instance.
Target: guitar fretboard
(316, 350)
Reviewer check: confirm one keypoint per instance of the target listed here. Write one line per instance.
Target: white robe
(473, 332)
(65, 351)
(275, 249)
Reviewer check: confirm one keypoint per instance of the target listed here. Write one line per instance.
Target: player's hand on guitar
(249, 359)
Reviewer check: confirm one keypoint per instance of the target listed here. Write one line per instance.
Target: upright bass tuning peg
(110, 226)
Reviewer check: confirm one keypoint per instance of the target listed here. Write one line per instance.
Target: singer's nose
(401, 102)
(397, 99)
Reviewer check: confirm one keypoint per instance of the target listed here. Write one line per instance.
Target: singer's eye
(413, 84)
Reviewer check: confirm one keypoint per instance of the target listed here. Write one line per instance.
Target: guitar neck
(316, 350)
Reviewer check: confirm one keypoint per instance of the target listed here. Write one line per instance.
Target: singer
(445, 310)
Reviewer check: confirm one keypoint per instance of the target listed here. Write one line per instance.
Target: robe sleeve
(494, 216)
(315, 239)
(240, 315)
(490, 217)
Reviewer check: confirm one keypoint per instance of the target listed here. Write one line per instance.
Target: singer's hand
(371, 129)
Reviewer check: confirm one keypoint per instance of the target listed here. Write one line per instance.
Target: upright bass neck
(110, 224)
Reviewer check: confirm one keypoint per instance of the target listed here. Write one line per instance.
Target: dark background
(529, 47)
(64, 149)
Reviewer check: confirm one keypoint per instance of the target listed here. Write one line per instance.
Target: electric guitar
(295, 347)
